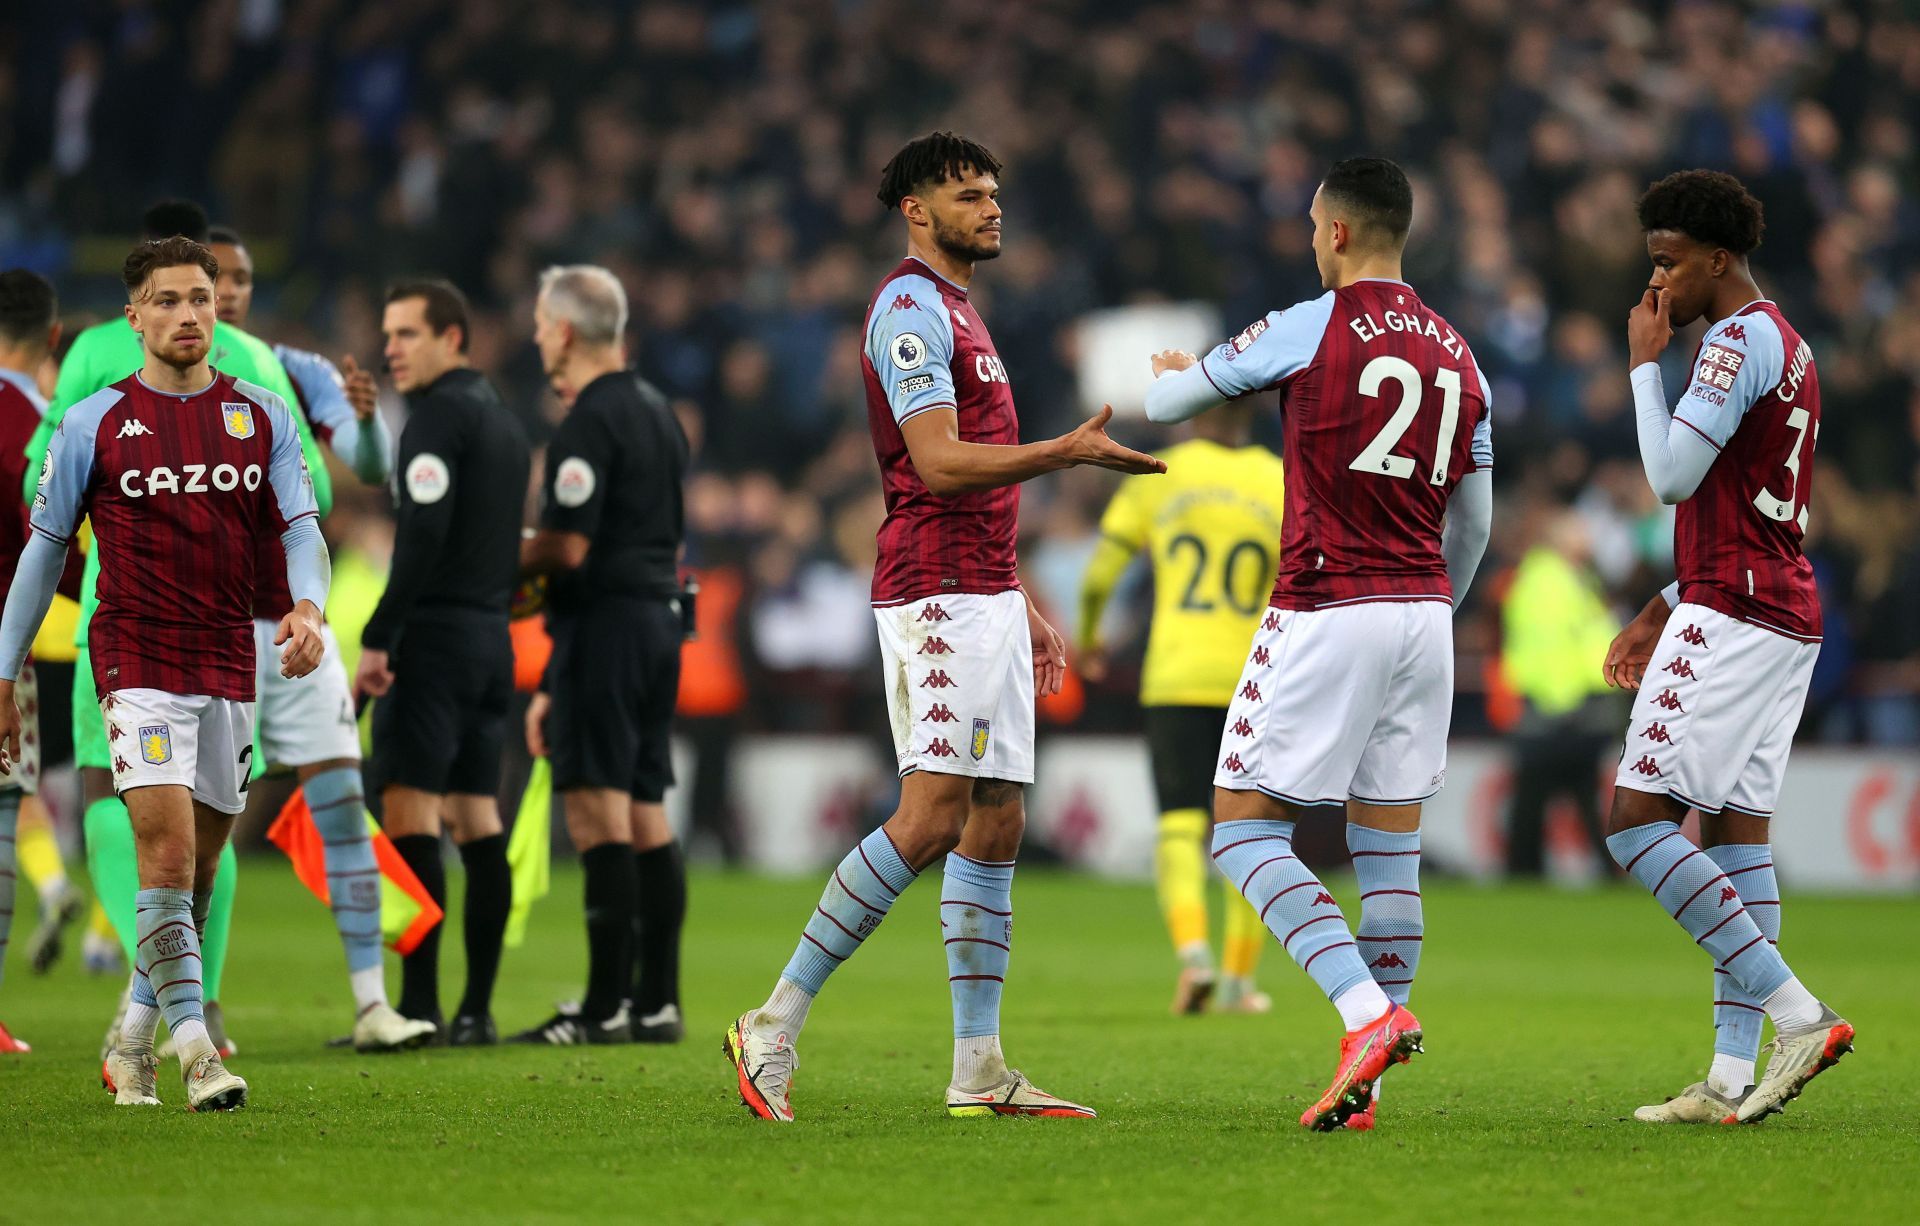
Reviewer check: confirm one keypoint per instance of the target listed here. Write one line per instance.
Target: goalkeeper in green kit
(101, 356)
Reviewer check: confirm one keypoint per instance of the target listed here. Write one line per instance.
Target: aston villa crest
(238, 418)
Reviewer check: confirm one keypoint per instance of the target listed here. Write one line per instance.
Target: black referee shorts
(614, 679)
(1183, 742)
(442, 726)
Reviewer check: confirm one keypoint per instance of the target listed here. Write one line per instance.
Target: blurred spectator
(723, 156)
(1556, 628)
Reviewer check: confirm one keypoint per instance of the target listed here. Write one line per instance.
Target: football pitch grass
(1549, 1017)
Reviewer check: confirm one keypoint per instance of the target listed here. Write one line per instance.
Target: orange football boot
(1392, 1038)
(10, 1045)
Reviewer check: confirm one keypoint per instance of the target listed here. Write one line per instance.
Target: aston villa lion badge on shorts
(238, 418)
(980, 733)
(156, 743)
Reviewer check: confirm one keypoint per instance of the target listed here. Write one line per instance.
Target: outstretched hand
(1090, 444)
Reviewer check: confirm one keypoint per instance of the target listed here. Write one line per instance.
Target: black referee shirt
(614, 472)
(461, 483)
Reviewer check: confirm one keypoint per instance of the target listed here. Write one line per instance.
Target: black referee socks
(610, 889)
(489, 898)
(662, 877)
(420, 970)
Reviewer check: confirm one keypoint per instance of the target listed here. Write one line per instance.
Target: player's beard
(963, 245)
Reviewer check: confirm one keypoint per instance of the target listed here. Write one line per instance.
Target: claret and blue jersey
(178, 487)
(926, 349)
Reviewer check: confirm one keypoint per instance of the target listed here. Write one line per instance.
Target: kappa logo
(1273, 620)
(1680, 667)
(1261, 657)
(1670, 701)
(1735, 332)
(941, 748)
(134, 428)
(902, 302)
(1657, 733)
(1646, 766)
(1728, 894)
(1241, 727)
(933, 613)
(1388, 961)
(1692, 636)
(1250, 692)
(1323, 899)
(1234, 764)
(935, 646)
(120, 765)
(938, 680)
(113, 732)
(940, 714)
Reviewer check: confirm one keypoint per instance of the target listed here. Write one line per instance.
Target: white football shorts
(307, 719)
(1714, 721)
(959, 677)
(203, 744)
(1351, 702)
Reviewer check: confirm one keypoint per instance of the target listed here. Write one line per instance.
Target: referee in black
(436, 653)
(609, 544)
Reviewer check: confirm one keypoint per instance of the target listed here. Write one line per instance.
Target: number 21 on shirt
(1378, 457)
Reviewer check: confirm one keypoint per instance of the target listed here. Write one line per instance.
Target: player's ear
(915, 210)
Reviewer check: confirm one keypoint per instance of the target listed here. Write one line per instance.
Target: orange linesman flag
(407, 912)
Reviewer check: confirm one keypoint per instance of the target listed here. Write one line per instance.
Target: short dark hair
(167, 218)
(225, 234)
(933, 158)
(28, 306)
(1376, 191)
(446, 306)
(151, 256)
(1709, 206)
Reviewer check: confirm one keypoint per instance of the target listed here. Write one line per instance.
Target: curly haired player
(1731, 645)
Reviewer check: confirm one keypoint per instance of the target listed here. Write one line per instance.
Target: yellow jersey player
(1211, 528)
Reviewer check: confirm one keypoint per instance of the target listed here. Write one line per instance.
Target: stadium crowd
(722, 159)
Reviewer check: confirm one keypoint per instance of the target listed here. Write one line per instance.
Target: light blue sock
(9, 820)
(1391, 922)
(353, 875)
(1737, 1017)
(858, 896)
(1696, 893)
(169, 949)
(1257, 857)
(976, 921)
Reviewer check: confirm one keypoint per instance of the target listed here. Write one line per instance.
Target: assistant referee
(436, 652)
(609, 542)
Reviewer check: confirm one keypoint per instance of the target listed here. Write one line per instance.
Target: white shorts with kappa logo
(202, 744)
(1714, 721)
(959, 677)
(307, 719)
(1351, 702)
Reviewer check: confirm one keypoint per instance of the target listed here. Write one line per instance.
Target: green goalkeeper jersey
(108, 352)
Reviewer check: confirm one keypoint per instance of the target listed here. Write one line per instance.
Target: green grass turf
(1549, 1017)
